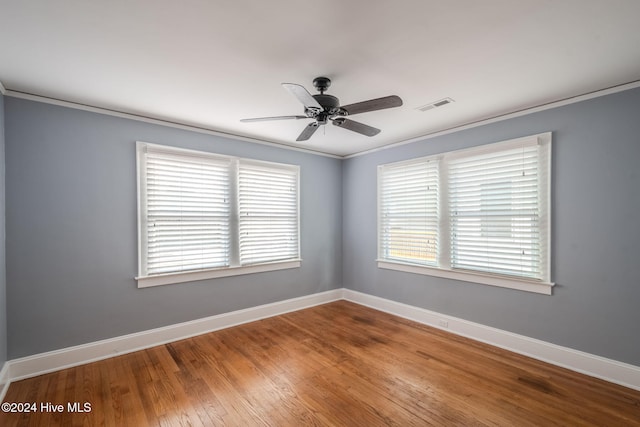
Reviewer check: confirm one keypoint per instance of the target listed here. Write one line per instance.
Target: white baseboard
(51, 361)
(575, 360)
(595, 366)
(5, 381)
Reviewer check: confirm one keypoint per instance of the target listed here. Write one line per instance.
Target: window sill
(190, 276)
(485, 279)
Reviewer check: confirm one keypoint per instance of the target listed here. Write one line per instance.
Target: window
(409, 204)
(204, 215)
(268, 208)
(479, 215)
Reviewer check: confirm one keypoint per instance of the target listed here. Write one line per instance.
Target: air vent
(435, 104)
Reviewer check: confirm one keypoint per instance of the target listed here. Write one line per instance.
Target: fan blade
(264, 119)
(373, 105)
(302, 94)
(308, 131)
(356, 126)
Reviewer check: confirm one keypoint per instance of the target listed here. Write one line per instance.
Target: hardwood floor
(335, 364)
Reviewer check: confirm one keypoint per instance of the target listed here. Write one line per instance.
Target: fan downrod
(322, 83)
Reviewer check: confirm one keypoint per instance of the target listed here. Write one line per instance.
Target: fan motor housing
(330, 108)
(328, 102)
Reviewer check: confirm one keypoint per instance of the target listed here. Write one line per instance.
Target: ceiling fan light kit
(323, 108)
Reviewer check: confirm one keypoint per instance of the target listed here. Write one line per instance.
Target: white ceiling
(211, 63)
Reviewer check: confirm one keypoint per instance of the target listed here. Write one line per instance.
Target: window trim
(235, 268)
(536, 286)
(541, 286)
(214, 273)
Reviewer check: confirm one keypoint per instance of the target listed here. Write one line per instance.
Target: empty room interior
(334, 213)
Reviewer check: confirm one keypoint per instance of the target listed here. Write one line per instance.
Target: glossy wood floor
(335, 364)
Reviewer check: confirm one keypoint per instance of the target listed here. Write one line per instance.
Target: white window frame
(443, 269)
(235, 268)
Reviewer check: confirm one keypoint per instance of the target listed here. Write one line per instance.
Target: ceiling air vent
(435, 104)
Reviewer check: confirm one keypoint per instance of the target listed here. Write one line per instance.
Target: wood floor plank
(338, 364)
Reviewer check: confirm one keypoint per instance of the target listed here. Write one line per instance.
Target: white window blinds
(204, 215)
(495, 209)
(187, 212)
(268, 213)
(409, 212)
(483, 210)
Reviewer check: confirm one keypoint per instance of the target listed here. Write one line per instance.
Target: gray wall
(596, 234)
(3, 271)
(71, 249)
(71, 230)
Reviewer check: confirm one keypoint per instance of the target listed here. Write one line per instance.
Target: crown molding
(519, 113)
(158, 121)
(209, 131)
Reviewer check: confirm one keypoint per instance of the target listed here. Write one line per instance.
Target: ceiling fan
(323, 108)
